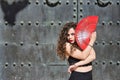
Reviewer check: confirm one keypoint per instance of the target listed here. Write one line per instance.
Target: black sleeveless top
(72, 61)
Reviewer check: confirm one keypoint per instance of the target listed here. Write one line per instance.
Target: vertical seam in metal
(77, 10)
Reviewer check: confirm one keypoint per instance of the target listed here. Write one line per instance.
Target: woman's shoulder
(68, 47)
(67, 44)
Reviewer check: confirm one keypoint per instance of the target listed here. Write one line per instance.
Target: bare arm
(82, 54)
(89, 59)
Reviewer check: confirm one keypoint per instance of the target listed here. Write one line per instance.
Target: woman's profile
(80, 61)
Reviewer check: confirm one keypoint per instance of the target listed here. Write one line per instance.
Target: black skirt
(81, 75)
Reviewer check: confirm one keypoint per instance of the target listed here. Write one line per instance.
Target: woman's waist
(84, 68)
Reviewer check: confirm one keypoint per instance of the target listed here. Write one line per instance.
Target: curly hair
(61, 47)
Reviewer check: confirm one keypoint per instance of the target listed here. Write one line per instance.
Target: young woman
(79, 60)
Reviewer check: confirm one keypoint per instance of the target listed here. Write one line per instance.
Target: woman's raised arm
(81, 54)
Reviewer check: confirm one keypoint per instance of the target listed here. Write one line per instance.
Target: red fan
(84, 29)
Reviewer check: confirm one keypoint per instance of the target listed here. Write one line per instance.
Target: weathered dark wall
(29, 32)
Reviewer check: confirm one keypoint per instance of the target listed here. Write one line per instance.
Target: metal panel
(28, 47)
(108, 36)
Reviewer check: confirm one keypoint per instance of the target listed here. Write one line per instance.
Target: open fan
(84, 29)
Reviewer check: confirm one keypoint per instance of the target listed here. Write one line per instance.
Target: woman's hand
(72, 68)
(93, 38)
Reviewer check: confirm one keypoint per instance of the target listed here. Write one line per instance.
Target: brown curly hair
(61, 50)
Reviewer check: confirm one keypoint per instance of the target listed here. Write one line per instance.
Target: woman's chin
(72, 42)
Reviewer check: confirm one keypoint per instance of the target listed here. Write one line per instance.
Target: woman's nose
(70, 36)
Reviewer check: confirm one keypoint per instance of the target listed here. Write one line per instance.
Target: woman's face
(71, 35)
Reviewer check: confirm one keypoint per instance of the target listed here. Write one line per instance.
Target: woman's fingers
(93, 36)
(71, 68)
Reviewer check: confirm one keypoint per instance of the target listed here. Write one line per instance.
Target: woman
(79, 61)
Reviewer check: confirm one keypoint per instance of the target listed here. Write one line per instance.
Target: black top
(72, 61)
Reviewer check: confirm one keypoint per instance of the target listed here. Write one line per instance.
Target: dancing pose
(80, 61)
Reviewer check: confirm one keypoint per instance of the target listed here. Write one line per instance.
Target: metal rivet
(118, 3)
(88, 2)
(103, 23)
(67, 2)
(37, 43)
(103, 42)
(81, 9)
(111, 62)
(95, 3)
(118, 22)
(74, 9)
(29, 64)
(29, 2)
(74, 16)
(21, 43)
(29, 23)
(110, 23)
(103, 62)
(59, 23)
(81, 2)
(110, 42)
(6, 64)
(96, 43)
(22, 64)
(96, 63)
(22, 22)
(74, 2)
(81, 15)
(118, 42)
(118, 63)
(6, 23)
(52, 23)
(37, 2)
(44, 2)
(6, 43)
(37, 23)
(14, 64)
